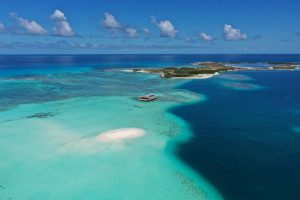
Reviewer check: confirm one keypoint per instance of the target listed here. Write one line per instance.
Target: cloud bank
(90, 46)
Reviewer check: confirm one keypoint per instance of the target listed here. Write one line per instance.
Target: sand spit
(199, 76)
(120, 134)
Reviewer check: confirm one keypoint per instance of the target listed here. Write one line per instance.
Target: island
(203, 70)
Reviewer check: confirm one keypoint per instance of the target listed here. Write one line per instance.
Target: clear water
(235, 136)
(49, 122)
(246, 136)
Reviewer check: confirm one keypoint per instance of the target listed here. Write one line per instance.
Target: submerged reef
(241, 86)
(41, 115)
(296, 129)
(234, 77)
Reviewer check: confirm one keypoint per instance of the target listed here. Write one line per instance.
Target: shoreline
(199, 76)
(203, 70)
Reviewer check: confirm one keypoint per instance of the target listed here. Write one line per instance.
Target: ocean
(235, 136)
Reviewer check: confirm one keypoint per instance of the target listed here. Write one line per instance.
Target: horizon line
(66, 54)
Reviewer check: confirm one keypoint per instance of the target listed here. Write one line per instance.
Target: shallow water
(49, 124)
(235, 136)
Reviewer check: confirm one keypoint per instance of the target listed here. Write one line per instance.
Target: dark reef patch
(41, 115)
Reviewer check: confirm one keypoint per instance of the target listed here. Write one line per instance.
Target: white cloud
(146, 31)
(61, 24)
(131, 32)
(31, 27)
(110, 21)
(205, 37)
(166, 27)
(231, 33)
(1, 26)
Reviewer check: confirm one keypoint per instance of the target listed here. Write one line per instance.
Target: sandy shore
(126, 70)
(120, 134)
(199, 76)
(139, 71)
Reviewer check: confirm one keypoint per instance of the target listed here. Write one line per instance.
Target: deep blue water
(244, 141)
(247, 141)
(135, 60)
(28, 64)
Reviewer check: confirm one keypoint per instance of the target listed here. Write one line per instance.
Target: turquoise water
(49, 124)
(234, 136)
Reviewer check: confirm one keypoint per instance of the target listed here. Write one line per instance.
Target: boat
(148, 97)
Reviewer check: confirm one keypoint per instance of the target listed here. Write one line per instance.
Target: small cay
(202, 70)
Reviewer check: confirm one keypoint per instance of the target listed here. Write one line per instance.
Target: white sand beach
(120, 134)
(199, 76)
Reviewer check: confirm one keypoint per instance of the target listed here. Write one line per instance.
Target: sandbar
(120, 134)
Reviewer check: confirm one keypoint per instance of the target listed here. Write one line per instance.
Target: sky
(136, 26)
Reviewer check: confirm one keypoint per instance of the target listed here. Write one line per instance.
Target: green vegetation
(201, 68)
(285, 67)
